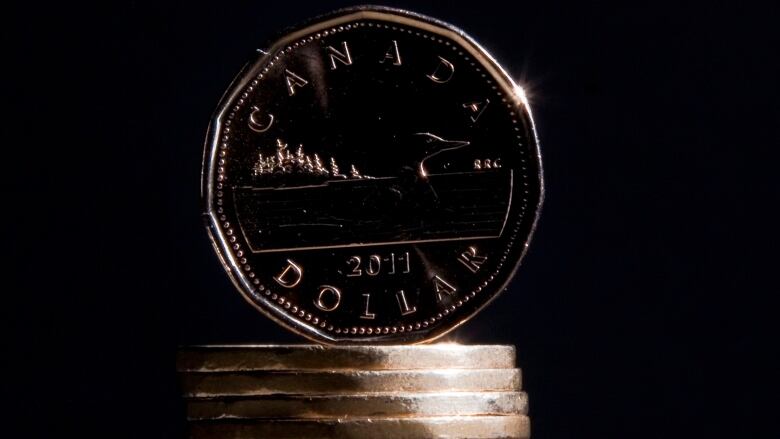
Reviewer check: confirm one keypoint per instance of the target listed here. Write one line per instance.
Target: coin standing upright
(373, 177)
(371, 180)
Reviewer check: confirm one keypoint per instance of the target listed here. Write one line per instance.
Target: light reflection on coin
(303, 357)
(373, 177)
(373, 405)
(195, 384)
(474, 427)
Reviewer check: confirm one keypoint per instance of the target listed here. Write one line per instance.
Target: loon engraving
(433, 145)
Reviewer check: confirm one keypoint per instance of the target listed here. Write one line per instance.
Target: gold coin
(253, 357)
(474, 427)
(392, 404)
(199, 384)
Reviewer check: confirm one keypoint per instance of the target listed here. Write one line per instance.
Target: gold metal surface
(229, 358)
(384, 405)
(474, 427)
(197, 384)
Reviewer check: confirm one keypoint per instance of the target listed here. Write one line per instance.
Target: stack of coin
(308, 391)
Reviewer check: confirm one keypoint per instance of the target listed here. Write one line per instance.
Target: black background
(641, 310)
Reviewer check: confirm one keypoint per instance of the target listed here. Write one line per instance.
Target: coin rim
(223, 358)
(388, 14)
(375, 405)
(264, 382)
(508, 426)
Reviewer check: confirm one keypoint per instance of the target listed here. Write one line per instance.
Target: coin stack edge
(437, 390)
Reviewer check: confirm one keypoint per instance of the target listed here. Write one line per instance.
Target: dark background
(641, 311)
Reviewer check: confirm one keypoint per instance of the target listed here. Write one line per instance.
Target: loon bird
(433, 145)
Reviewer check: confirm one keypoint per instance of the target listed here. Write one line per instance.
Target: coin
(217, 384)
(372, 177)
(356, 405)
(512, 426)
(227, 358)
